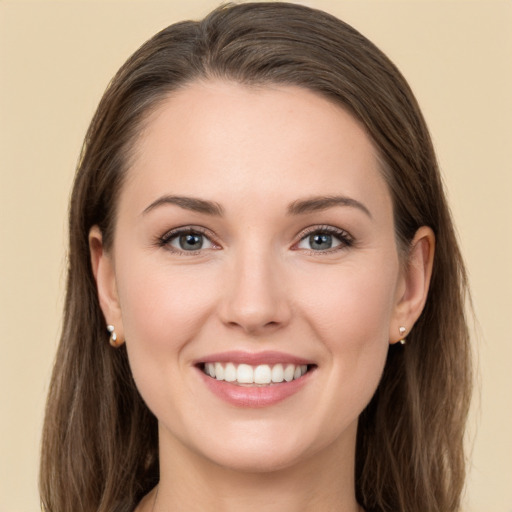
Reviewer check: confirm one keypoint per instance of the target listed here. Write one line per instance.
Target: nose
(255, 298)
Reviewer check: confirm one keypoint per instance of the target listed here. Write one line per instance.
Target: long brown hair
(99, 448)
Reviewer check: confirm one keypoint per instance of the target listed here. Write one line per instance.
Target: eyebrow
(319, 203)
(299, 207)
(188, 203)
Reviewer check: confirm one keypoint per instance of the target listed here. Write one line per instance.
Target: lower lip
(254, 396)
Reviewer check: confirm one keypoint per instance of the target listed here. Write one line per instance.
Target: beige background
(56, 59)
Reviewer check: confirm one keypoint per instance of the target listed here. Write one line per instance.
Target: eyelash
(343, 236)
(166, 239)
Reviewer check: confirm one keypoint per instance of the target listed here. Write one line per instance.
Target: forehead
(213, 138)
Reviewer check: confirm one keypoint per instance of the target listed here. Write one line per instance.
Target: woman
(253, 227)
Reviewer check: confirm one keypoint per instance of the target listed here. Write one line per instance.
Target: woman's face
(254, 240)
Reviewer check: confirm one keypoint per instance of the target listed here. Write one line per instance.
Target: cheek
(353, 306)
(163, 308)
(161, 303)
(352, 316)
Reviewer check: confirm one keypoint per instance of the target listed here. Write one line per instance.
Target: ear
(105, 276)
(414, 285)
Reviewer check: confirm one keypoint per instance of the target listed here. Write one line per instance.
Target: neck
(190, 483)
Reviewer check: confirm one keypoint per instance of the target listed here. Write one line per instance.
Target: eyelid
(165, 239)
(342, 235)
(346, 239)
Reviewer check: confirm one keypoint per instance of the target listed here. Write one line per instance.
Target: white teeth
(262, 374)
(289, 372)
(230, 372)
(277, 373)
(219, 371)
(245, 374)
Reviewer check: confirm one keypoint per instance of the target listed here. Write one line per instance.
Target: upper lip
(254, 358)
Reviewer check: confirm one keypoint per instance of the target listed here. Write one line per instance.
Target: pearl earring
(113, 336)
(402, 330)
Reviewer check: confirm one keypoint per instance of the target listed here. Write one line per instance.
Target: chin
(270, 449)
(256, 461)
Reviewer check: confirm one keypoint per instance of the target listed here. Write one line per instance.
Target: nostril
(253, 324)
(254, 301)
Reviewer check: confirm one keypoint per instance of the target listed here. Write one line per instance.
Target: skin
(257, 284)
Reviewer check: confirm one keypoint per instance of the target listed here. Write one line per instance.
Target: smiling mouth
(260, 375)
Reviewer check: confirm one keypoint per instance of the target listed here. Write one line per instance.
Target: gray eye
(319, 241)
(190, 242)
